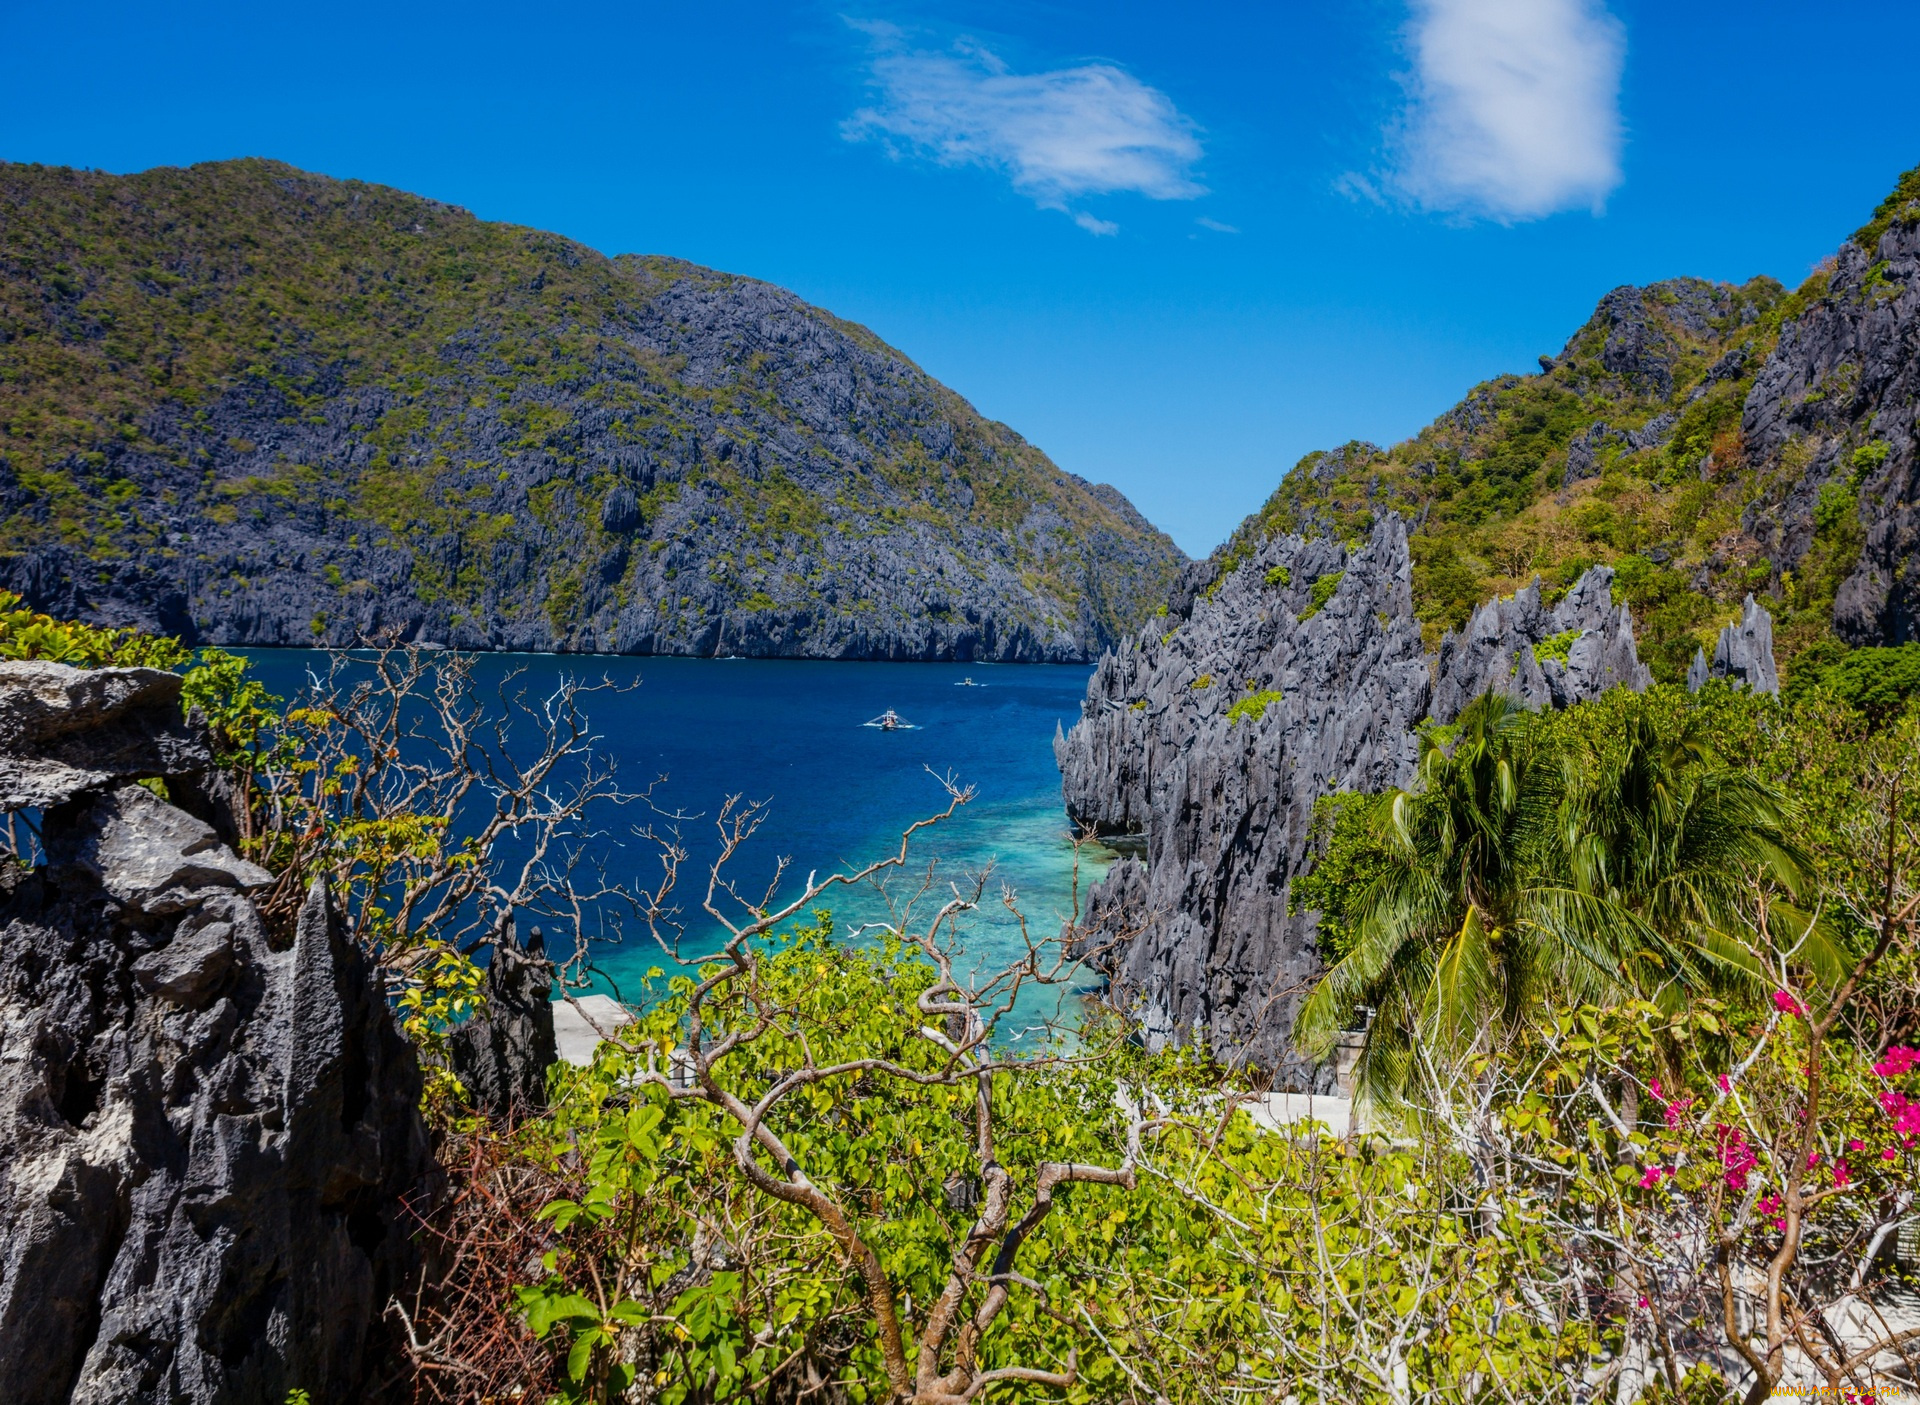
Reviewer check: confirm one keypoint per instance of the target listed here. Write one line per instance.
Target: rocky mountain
(1830, 421)
(246, 404)
(1707, 441)
(1694, 446)
(214, 1158)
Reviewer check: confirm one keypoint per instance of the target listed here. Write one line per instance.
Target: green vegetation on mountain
(1629, 449)
(308, 402)
(1485, 486)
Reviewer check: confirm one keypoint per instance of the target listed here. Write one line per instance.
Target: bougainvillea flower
(1905, 1113)
(1737, 1159)
(1786, 1004)
(1896, 1061)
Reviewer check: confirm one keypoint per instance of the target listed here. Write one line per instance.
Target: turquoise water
(790, 733)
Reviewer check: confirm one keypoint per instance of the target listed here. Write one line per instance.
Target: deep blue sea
(790, 733)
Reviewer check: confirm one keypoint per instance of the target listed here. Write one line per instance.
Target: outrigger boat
(890, 721)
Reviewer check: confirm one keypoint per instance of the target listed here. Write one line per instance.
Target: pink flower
(1771, 1206)
(1813, 1159)
(1737, 1159)
(1643, 1300)
(1726, 1084)
(1889, 1154)
(1905, 1114)
(1842, 1173)
(1856, 1145)
(1786, 1004)
(1651, 1176)
(1674, 1110)
(1896, 1061)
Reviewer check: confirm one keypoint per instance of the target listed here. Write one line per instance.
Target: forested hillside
(248, 404)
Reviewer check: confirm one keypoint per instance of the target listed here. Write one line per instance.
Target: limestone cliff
(1209, 737)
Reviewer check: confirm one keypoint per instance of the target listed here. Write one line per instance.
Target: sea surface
(838, 793)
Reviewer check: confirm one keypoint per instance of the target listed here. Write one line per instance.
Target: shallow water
(790, 733)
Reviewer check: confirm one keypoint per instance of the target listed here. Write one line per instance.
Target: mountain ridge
(251, 405)
(1706, 440)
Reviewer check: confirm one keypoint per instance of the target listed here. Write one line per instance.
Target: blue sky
(1176, 246)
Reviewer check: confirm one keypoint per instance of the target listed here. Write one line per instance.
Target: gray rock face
(1743, 653)
(211, 1131)
(1839, 393)
(1585, 448)
(1203, 946)
(64, 730)
(1497, 650)
(1197, 940)
(1637, 348)
(146, 854)
(502, 1055)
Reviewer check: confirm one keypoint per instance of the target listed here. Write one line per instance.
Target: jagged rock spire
(1503, 644)
(1743, 654)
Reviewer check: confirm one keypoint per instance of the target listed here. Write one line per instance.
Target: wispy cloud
(1514, 108)
(1216, 226)
(1093, 129)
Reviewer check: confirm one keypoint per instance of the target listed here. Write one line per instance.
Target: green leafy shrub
(26, 634)
(1876, 682)
(1869, 457)
(1205, 680)
(1835, 505)
(1556, 646)
(1279, 576)
(1323, 589)
(1254, 706)
(1348, 856)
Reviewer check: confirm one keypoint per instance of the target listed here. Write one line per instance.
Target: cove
(791, 733)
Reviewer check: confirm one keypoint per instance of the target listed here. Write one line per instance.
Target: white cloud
(1515, 107)
(1094, 129)
(1216, 226)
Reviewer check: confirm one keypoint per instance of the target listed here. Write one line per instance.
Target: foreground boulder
(210, 1143)
(64, 730)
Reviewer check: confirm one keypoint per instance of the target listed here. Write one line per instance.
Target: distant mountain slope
(1706, 440)
(259, 406)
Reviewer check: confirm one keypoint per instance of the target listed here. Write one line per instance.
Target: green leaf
(581, 1357)
(545, 1310)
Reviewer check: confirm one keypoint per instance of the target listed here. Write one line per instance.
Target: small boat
(890, 721)
(968, 682)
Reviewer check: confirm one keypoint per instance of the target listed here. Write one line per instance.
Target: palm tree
(1661, 825)
(1446, 942)
(1522, 873)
